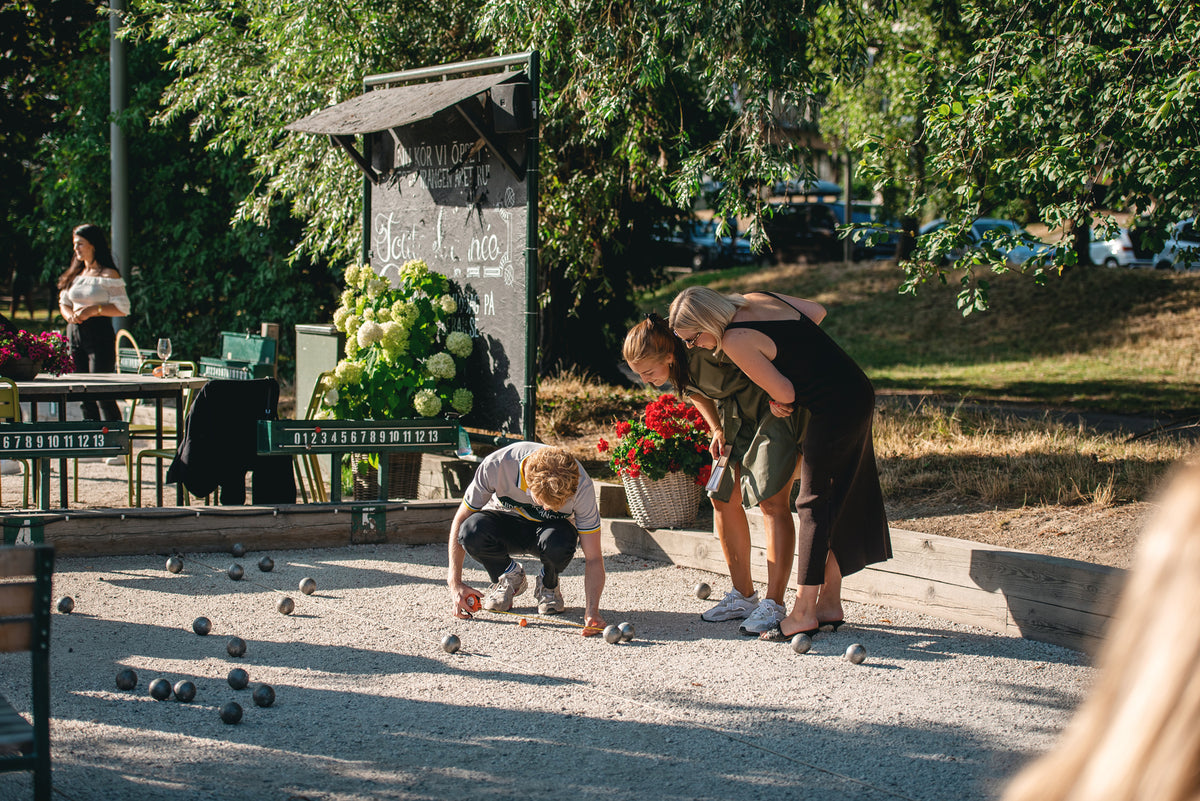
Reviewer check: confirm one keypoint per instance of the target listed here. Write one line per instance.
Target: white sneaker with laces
(734, 606)
(549, 601)
(511, 584)
(765, 615)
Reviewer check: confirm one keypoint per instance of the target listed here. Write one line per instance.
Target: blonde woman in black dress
(842, 523)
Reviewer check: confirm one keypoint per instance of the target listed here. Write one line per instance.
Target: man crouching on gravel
(523, 499)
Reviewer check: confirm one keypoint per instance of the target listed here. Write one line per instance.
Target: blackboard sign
(450, 201)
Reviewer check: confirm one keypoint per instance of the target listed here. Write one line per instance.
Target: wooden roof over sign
(383, 109)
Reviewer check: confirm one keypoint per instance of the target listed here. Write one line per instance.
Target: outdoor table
(76, 387)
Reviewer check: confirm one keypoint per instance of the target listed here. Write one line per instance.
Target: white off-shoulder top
(95, 290)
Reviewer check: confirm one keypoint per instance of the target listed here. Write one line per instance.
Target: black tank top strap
(781, 300)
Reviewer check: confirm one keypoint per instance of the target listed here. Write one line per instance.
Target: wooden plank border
(1043, 598)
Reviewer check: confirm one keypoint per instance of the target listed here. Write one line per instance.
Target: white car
(1181, 251)
(987, 228)
(1120, 250)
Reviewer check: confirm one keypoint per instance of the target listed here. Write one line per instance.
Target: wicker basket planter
(404, 477)
(670, 502)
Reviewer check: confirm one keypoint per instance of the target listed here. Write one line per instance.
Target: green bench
(25, 573)
(243, 357)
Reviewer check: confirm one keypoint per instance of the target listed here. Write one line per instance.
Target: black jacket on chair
(220, 445)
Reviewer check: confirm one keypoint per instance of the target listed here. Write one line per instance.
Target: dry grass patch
(949, 454)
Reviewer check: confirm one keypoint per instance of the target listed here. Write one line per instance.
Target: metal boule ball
(202, 626)
(612, 634)
(801, 643)
(236, 646)
(235, 572)
(160, 689)
(451, 643)
(238, 550)
(308, 585)
(126, 679)
(264, 695)
(66, 604)
(626, 630)
(266, 564)
(703, 590)
(286, 606)
(238, 679)
(231, 712)
(174, 564)
(185, 691)
(855, 654)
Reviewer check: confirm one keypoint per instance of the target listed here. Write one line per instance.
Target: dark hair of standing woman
(94, 234)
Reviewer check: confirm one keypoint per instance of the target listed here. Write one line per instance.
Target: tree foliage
(640, 100)
(193, 273)
(1074, 108)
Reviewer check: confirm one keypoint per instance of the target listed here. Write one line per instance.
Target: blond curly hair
(553, 475)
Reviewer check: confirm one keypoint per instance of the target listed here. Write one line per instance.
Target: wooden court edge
(1010, 592)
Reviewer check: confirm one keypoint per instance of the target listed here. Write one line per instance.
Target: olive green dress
(767, 447)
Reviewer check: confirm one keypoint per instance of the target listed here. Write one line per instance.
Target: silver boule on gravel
(855, 654)
(238, 550)
(612, 634)
(231, 713)
(235, 572)
(626, 630)
(236, 646)
(160, 689)
(703, 590)
(266, 564)
(286, 606)
(174, 564)
(202, 626)
(451, 643)
(185, 691)
(66, 604)
(126, 679)
(238, 679)
(308, 585)
(264, 695)
(801, 643)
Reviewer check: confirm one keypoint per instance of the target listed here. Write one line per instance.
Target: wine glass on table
(164, 353)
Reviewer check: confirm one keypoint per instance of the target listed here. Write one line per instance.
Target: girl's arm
(745, 347)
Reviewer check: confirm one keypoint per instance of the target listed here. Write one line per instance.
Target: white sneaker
(115, 460)
(734, 606)
(511, 584)
(549, 602)
(765, 615)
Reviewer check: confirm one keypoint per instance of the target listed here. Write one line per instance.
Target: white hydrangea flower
(448, 304)
(441, 365)
(339, 318)
(463, 401)
(331, 397)
(368, 313)
(348, 297)
(352, 275)
(370, 333)
(427, 403)
(459, 344)
(348, 372)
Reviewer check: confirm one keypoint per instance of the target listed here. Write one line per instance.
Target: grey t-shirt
(500, 485)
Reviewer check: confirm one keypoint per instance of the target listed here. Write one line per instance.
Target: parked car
(802, 186)
(695, 245)
(1123, 249)
(1181, 251)
(883, 242)
(803, 230)
(989, 228)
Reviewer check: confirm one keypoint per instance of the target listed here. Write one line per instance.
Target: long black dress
(840, 504)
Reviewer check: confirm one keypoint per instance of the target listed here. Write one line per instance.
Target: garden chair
(25, 587)
(147, 431)
(308, 466)
(10, 411)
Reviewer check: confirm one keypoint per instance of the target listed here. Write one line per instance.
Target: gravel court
(370, 707)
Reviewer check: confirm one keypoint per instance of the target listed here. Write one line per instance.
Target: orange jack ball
(524, 622)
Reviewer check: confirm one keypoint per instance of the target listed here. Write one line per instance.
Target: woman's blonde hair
(705, 311)
(553, 475)
(1137, 736)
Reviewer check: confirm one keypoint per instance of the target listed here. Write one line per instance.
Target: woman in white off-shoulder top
(90, 292)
